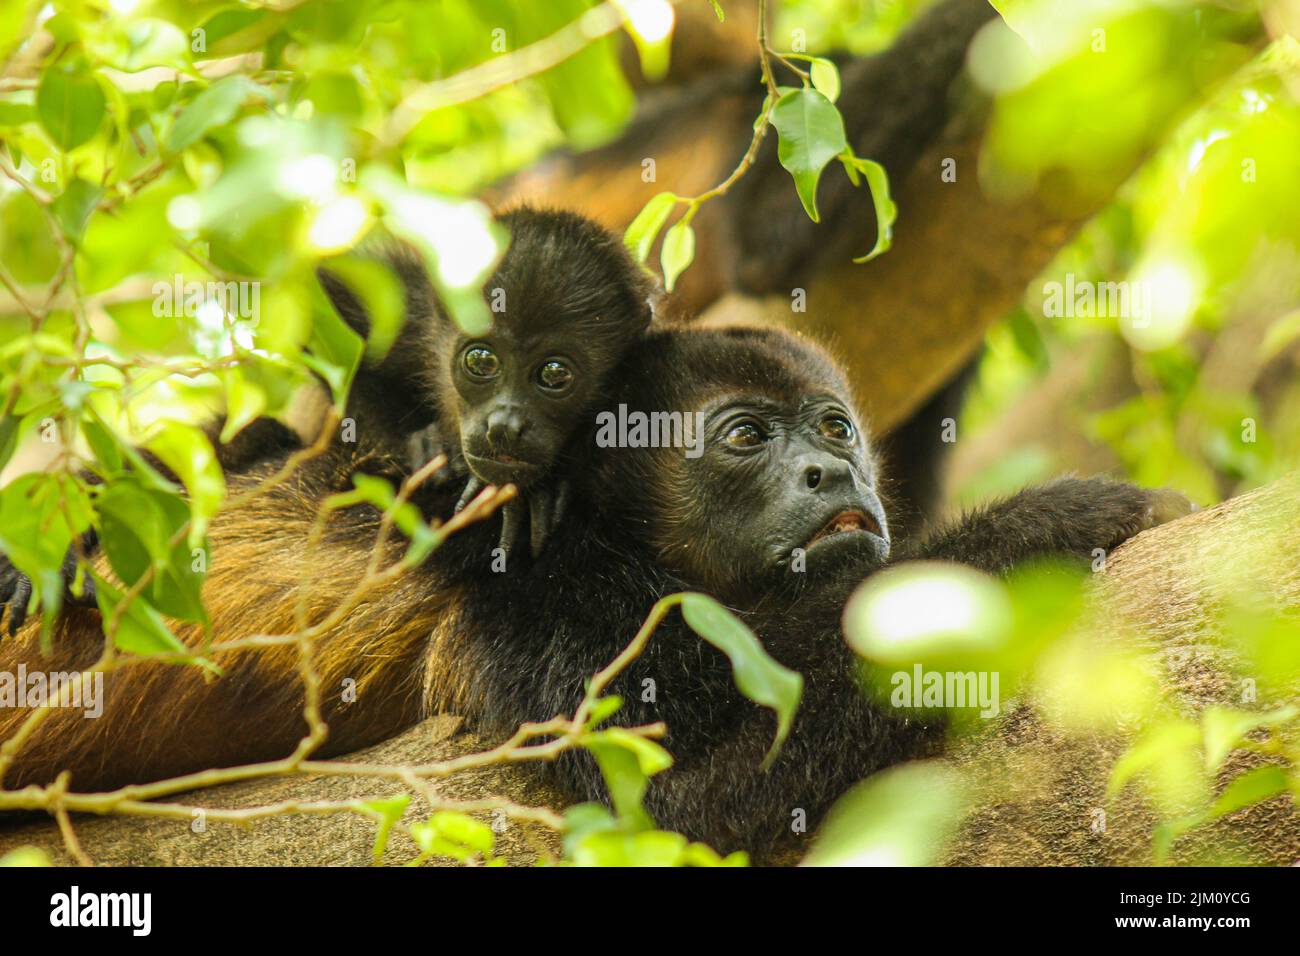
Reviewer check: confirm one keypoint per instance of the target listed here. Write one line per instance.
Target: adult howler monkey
(784, 466)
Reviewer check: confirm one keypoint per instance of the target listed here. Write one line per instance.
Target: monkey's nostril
(813, 476)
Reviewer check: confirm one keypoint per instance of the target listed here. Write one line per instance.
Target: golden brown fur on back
(166, 719)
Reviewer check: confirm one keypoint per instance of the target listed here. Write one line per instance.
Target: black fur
(566, 291)
(534, 636)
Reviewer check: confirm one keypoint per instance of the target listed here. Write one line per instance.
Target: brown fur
(164, 719)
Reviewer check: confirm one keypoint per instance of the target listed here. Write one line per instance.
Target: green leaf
(238, 30)
(70, 105)
(717, 8)
(335, 349)
(886, 211)
(624, 779)
(215, 106)
(136, 526)
(452, 834)
(651, 758)
(379, 291)
(8, 437)
(678, 252)
(641, 234)
(459, 239)
(1253, 786)
(103, 446)
(245, 401)
(141, 629)
(146, 42)
(406, 517)
(16, 111)
(74, 205)
(603, 709)
(825, 77)
(648, 848)
(1160, 744)
(1224, 729)
(39, 516)
(388, 812)
(582, 821)
(25, 856)
(899, 817)
(811, 133)
(186, 450)
(757, 676)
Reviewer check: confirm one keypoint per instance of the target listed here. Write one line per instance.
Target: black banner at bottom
(202, 906)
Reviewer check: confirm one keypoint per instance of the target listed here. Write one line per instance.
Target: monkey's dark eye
(745, 435)
(555, 376)
(481, 362)
(836, 428)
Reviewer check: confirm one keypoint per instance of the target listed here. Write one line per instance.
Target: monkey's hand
(541, 507)
(16, 587)
(427, 444)
(1080, 517)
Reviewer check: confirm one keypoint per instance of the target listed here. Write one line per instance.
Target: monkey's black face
(567, 302)
(790, 491)
(520, 399)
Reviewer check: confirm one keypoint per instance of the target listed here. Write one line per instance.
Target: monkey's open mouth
(846, 522)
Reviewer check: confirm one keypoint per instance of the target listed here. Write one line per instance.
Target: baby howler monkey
(567, 301)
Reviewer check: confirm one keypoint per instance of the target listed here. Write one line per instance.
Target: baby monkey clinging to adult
(567, 300)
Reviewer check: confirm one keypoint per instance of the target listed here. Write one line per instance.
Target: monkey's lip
(848, 522)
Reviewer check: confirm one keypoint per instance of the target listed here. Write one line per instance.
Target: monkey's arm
(1070, 516)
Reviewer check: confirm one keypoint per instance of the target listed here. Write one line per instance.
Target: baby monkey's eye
(555, 376)
(481, 362)
(746, 435)
(836, 427)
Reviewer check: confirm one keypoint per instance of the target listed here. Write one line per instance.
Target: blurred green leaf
(899, 817)
(644, 229)
(1224, 729)
(70, 105)
(678, 252)
(189, 454)
(215, 106)
(825, 77)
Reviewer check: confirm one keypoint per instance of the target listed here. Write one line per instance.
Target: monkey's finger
(472, 488)
(562, 489)
(512, 519)
(18, 606)
(541, 505)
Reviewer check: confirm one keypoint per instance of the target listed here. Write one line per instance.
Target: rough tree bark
(1165, 583)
